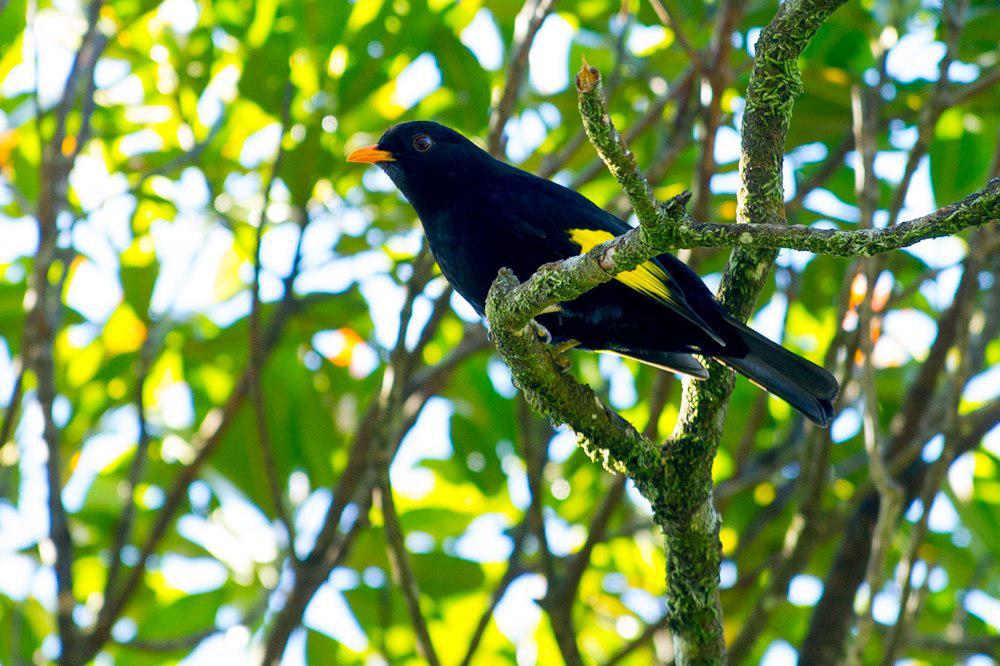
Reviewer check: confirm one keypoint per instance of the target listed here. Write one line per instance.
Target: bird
(480, 214)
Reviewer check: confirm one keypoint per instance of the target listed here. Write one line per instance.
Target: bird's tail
(802, 384)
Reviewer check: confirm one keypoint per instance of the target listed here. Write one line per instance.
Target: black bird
(481, 214)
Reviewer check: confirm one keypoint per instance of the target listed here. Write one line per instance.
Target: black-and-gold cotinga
(481, 214)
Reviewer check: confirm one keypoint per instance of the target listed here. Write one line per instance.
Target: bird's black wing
(570, 224)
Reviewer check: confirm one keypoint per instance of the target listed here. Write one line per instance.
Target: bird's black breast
(471, 243)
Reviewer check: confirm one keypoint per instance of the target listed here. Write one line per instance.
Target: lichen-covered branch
(763, 227)
(692, 542)
(975, 210)
(677, 477)
(611, 146)
(538, 371)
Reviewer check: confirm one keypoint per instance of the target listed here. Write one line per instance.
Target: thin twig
(935, 477)
(643, 638)
(514, 569)
(833, 161)
(126, 522)
(832, 618)
(528, 21)
(255, 353)
(192, 640)
(536, 457)
(11, 417)
(954, 15)
(382, 428)
(890, 504)
(597, 530)
(650, 119)
(664, 12)
(890, 492)
(401, 570)
(961, 93)
(802, 534)
(716, 73)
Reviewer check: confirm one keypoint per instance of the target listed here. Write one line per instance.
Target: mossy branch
(539, 371)
(611, 146)
(762, 215)
(975, 210)
(693, 599)
(677, 477)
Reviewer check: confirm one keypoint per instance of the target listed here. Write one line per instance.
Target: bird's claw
(566, 345)
(562, 361)
(542, 332)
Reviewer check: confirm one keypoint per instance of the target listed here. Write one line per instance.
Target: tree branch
(975, 210)
(43, 322)
(716, 74)
(799, 541)
(527, 23)
(537, 369)
(256, 354)
(647, 635)
(569, 582)
(934, 478)
(677, 480)
(612, 147)
(692, 537)
(890, 492)
(126, 521)
(514, 569)
(401, 570)
(11, 417)
(676, 91)
(670, 20)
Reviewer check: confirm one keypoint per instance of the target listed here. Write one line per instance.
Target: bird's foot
(564, 347)
(542, 332)
(562, 361)
(563, 364)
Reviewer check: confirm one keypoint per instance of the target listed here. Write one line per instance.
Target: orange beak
(370, 155)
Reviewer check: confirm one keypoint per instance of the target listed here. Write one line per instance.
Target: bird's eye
(422, 143)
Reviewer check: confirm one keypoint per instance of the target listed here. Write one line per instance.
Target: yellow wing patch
(647, 278)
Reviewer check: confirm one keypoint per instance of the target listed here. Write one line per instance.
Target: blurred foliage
(158, 242)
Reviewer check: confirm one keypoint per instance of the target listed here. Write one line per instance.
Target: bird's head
(424, 159)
